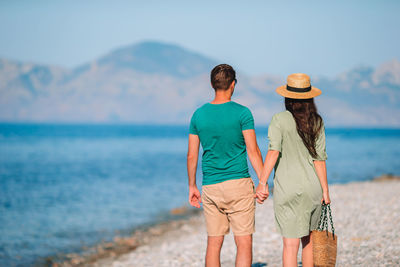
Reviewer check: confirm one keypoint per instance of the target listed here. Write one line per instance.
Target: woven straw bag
(324, 242)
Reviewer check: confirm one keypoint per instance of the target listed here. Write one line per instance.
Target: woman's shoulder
(282, 116)
(283, 120)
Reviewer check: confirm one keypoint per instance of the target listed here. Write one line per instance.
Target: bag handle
(323, 221)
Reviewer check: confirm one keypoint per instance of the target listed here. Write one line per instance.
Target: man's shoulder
(200, 109)
(239, 107)
(236, 104)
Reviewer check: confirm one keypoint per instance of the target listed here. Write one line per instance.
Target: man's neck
(222, 97)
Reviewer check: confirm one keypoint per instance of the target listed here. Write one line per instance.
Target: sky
(256, 37)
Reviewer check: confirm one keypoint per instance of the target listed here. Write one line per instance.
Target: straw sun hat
(299, 87)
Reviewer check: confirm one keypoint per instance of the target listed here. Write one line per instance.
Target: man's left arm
(192, 159)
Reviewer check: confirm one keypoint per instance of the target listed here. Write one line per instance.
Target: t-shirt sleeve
(246, 120)
(320, 145)
(193, 128)
(274, 135)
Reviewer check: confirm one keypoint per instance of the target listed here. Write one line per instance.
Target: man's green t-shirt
(219, 127)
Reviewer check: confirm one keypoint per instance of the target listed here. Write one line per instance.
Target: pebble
(366, 217)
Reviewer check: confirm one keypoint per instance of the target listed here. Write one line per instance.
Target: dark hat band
(298, 90)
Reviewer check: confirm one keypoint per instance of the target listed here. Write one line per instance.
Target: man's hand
(194, 196)
(262, 193)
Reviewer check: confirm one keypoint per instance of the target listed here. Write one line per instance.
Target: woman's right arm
(320, 164)
(320, 169)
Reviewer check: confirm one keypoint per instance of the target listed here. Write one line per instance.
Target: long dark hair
(308, 121)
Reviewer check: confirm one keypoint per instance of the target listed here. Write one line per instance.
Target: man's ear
(232, 85)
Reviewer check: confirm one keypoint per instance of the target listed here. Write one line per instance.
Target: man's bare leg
(244, 254)
(214, 244)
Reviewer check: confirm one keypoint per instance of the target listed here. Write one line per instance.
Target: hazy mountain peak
(356, 74)
(154, 82)
(388, 72)
(158, 58)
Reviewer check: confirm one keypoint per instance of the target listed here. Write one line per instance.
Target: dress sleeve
(274, 135)
(320, 146)
(246, 120)
(193, 128)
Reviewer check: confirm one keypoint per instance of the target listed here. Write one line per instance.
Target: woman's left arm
(269, 163)
(274, 149)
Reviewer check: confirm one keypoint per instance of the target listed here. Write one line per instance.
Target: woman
(297, 150)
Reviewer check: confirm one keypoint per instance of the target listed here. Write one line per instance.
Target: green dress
(297, 189)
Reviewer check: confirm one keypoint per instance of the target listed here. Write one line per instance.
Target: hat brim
(283, 91)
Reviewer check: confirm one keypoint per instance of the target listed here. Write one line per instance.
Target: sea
(65, 187)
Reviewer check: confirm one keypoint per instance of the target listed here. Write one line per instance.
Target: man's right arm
(255, 157)
(192, 159)
(253, 151)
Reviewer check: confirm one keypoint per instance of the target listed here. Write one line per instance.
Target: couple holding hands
(225, 130)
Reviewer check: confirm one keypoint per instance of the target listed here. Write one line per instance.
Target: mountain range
(158, 83)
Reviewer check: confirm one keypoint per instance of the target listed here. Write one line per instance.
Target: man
(225, 130)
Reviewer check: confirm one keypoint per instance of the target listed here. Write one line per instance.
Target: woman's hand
(325, 197)
(262, 193)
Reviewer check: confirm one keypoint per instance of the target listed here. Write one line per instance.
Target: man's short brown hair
(222, 76)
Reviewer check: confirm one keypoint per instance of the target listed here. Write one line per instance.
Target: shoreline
(119, 245)
(181, 221)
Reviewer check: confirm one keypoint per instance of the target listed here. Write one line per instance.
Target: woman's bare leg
(307, 254)
(290, 250)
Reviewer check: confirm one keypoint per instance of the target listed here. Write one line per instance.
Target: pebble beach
(366, 218)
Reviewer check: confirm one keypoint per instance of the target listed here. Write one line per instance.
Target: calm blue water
(66, 186)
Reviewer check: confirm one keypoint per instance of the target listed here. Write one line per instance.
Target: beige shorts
(230, 203)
